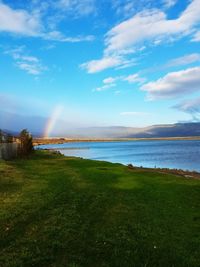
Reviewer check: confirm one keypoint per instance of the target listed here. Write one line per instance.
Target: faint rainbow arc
(52, 120)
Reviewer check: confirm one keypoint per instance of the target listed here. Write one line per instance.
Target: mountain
(14, 123)
(155, 131)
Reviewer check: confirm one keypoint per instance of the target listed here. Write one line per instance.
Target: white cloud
(112, 61)
(134, 78)
(151, 25)
(174, 84)
(18, 21)
(102, 64)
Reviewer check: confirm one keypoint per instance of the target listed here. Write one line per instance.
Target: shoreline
(178, 172)
(60, 140)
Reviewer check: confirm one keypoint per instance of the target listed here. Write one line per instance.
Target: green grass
(70, 212)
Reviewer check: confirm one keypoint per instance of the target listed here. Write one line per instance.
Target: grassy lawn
(70, 212)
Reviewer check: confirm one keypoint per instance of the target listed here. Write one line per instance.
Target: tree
(26, 144)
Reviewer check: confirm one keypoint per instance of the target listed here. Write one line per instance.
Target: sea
(174, 154)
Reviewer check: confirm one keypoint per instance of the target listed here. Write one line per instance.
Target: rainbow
(52, 120)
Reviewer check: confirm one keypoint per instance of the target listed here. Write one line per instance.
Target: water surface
(180, 154)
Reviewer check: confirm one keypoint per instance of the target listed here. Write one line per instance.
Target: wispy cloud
(175, 62)
(110, 82)
(102, 64)
(174, 84)
(134, 78)
(58, 36)
(77, 7)
(191, 107)
(30, 64)
(169, 3)
(31, 68)
(25, 23)
(184, 60)
(125, 7)
(104, 87)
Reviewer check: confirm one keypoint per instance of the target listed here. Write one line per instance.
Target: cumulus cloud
(191, 106)
(174, 84)
(150, 25)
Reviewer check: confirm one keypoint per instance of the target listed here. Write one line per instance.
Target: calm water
(170, 154)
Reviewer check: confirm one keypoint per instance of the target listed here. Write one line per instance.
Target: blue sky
(99, 63)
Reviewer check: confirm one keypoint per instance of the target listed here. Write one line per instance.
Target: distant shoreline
(60, 140)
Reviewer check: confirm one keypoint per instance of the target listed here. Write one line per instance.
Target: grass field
(70, 212)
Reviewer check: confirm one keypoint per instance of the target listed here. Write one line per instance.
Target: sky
(82, 63)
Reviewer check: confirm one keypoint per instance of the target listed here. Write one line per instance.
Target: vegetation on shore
(59, 211)
(50, 141)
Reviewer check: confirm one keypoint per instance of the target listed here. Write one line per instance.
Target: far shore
(62, 140)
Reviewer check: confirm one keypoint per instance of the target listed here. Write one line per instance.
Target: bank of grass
(69, 212)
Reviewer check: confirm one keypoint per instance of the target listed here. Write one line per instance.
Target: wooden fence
(8, 150)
